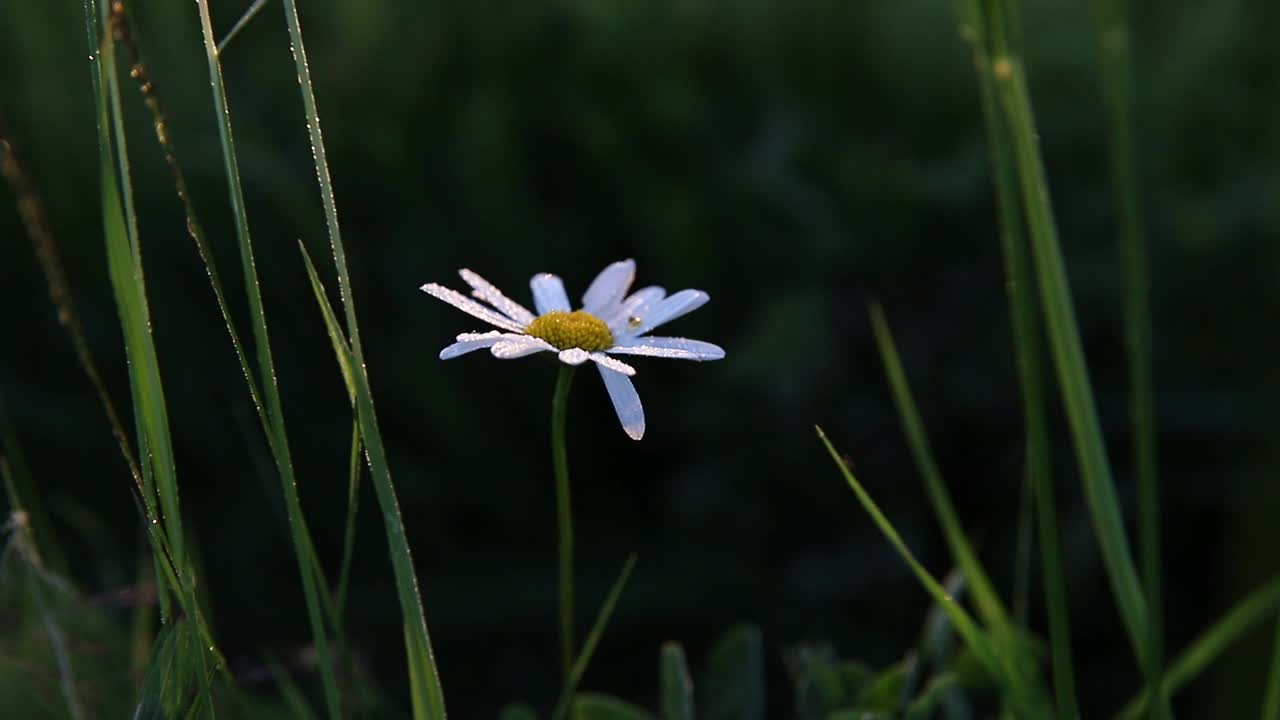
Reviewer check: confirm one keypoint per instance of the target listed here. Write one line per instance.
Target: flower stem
(564, 517)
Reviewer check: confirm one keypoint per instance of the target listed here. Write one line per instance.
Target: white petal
(548, 293)
(574, 356)
(637, 305)
(471, 341)
(613, 364)
(471, 307)
(484, 290)
(607, 290)
(520, 345)
(683, 302)
(669, 347)
(626, 402)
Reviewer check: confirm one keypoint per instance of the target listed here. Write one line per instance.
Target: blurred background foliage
(792, 159)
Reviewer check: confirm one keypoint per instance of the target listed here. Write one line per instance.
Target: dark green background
(792, 159)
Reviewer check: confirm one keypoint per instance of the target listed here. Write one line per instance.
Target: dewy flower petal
(631, 312)
(610, 322)
(517, 346)
(549, 294)
(482, 289)
(626, 402)
(471, 341)
(682, 303)
(606, 291)
(614, 364)
(471, 307)
(669, 347)
(574, 356)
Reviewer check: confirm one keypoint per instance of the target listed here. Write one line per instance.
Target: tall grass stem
(1113, 32)
(1029, 358)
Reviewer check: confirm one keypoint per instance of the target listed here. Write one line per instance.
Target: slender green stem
(564, 517)
(574, 677)
(1064, 336)
(1237, 623)
(272, 414)
(1271, 700)
(1028, 353)
(1117, 86)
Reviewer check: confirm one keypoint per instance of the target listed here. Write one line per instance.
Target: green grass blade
(1271, 698)
(593, 638)
(965, 626)
(349, 531)
(597, 706)
(424, 677)
(1028, 353)
(1064, 338)
(316, 137)
(1117, 84)
(124, 268)
(733, 685)
(984, 595)
(1237, 623)
(273, 418)
(676, 695)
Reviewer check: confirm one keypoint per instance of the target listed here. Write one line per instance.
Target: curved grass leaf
(424, 681)
(733, 687)
(1257, 607)
(593, 638)
(676, 687)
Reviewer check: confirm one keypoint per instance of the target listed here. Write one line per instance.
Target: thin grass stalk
(990, 608)
(984, 595)
(1064, 335)
(1236, 624)
(349, 531)
(965, 625)
(299, 50)
(1029, 360)
(564, 519)
(596, 632)
(1271, 696)
(159, 479)
(424, 681)
(274, 424)
(1117, 85)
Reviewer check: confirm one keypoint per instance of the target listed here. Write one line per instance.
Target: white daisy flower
(609, 323)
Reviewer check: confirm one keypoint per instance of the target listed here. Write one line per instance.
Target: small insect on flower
(610, 322)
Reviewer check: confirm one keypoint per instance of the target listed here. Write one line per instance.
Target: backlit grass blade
(1064, 335)
(593, 638)
(1117, 84)
(424, 681)
(1029, 356)
(1271, 698)
(984, 595)
(1237, 623)
(675, 699)
(973, 636)
(272, 416)
(299, 49)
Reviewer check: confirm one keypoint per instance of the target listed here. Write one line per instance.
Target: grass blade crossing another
(424, 681)
(1064, 334)
(1029, 357)
(593, 638)
(1242, 619)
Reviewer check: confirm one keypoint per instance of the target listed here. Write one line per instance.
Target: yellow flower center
(577, 329)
